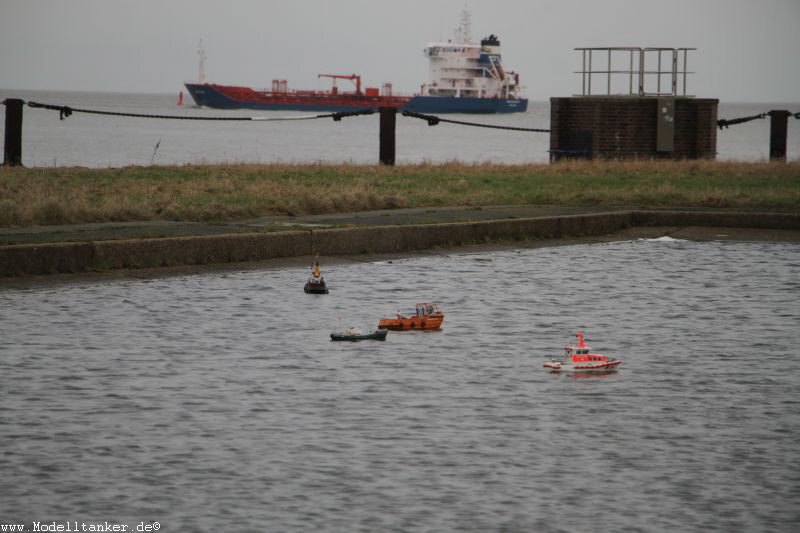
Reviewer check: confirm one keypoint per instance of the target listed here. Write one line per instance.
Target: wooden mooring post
(12, 151)
(387, 135)
(777, 134)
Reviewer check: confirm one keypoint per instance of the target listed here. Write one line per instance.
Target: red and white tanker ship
(465, 77)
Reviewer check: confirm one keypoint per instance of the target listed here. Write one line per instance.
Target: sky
(747, 50)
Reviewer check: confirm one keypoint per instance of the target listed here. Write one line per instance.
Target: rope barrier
(434, 120)
(65, 111)
(795, 115)
(724, 123)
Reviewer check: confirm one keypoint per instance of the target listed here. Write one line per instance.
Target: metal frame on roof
(638, 71)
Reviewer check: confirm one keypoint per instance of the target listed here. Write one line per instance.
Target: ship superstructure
(465, 69)
(468, 77)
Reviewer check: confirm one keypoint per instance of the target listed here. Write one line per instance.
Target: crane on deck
(351, 77)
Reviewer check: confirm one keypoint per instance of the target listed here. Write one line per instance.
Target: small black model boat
(315, 283)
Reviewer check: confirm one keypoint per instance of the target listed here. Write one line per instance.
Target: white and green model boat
(354, 334)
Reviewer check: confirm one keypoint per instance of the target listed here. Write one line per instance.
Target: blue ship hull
(208, 96)
(451, 104)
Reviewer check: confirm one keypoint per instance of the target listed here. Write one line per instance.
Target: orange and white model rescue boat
(427, 316)
(581, 359)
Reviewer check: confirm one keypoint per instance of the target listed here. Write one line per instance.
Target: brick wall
(625, 127)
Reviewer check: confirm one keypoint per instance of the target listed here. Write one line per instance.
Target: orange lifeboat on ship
(427, 316)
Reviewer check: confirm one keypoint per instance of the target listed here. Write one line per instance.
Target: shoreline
(65, 262)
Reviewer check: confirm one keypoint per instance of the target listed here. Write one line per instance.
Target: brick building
(644, 111)
(628, 126)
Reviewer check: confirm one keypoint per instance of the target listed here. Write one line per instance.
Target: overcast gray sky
(748, 51)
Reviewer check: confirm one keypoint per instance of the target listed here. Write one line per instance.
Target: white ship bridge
(462, 69)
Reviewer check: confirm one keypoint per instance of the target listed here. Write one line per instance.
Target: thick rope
(724, 123)
(434, 120)
(65, 111)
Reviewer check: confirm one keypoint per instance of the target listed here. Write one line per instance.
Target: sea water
(102, 141)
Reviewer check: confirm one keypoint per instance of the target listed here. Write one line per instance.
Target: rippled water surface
(216, 402)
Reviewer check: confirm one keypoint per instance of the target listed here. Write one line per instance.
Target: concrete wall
(16, 260)
(778, 221)
(30, 259)
(626, 126)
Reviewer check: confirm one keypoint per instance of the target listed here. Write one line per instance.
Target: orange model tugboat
(426, 317)
(580, 359)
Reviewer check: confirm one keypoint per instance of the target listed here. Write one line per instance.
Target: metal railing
(644, 68)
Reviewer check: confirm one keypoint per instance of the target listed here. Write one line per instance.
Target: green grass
(32, 196)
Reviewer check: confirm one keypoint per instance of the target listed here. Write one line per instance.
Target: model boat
(579, 358)
(426, 316)
(355, 334)
(315, 283)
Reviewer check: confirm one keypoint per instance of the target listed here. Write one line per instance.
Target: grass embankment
(223, 192)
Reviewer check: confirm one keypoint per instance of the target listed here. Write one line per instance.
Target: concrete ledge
(352, 241)
(19, 260)
(29, 259)
(148, 253)
(789, 221)
(36, 259)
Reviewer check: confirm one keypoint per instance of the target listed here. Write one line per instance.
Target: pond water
(217, 401)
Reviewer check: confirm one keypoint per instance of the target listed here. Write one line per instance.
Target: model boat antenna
(581, 344)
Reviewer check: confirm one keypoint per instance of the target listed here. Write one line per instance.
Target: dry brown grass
(224, 192)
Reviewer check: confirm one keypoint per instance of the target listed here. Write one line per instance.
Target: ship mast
(201, 54)
(463, 33)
